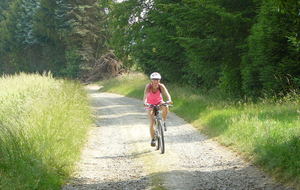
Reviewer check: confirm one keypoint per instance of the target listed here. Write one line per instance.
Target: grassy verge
(43, 125)
(267, 133)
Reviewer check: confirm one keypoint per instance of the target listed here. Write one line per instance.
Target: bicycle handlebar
(163, 104)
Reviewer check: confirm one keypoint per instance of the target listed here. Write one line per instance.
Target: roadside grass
(266, 133)
(43, 126)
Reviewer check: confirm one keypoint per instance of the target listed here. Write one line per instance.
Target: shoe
(153, 142)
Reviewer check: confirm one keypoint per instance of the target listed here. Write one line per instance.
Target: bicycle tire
(157, 136)
(162, 140)
(157, 143)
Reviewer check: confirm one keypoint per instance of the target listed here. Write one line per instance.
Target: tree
(56, 35)
(189, 41)
(3, 8)
(272, 62)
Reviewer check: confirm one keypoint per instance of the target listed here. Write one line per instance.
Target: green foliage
(272, 62)
(3, 8)
(135, 84)
(43, 125)
(37, 35)
(88, 33)
(290, 9)
(73, 60)
(235, 46)
(156, 48)
(248, 47)
(187, 41)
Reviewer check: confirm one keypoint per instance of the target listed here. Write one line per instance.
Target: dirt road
(118, 154)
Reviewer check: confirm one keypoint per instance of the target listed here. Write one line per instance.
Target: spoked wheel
(161, 137)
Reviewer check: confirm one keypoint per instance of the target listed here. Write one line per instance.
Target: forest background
(247, 48)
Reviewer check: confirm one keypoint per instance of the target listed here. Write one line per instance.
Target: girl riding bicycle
(153, 94)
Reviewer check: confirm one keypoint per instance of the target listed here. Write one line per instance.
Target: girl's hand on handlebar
(169, 102)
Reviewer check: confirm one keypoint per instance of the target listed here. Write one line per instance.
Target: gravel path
(118, 154)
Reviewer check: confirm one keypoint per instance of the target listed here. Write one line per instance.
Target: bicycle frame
(157, 112)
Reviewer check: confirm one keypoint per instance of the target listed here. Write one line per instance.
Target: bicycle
(160, 126)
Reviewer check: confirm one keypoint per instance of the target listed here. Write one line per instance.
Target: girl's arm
(166, 92)
(145, 94)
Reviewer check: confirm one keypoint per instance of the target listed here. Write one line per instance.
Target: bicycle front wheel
(161, 139)
(157, 143)
(157, 135)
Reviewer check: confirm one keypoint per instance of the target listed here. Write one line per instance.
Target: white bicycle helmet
(155, 76)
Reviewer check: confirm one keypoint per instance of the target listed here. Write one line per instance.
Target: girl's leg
(151, 118)
(165, 110)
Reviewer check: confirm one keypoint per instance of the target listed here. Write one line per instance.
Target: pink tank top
(154, 98)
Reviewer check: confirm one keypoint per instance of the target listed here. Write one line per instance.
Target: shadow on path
(188, 180)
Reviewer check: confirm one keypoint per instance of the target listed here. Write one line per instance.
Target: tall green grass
(267, 132)
(43, 125)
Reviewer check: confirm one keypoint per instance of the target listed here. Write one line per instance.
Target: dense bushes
(58, 35)
(249, 47)
(241, 47)
(271, 63)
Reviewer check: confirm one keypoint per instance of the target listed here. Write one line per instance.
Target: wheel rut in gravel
(118, 155)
